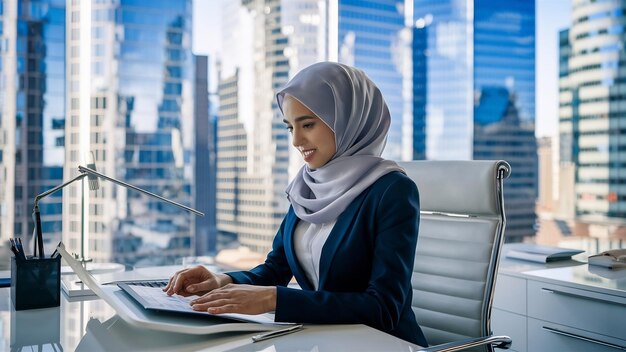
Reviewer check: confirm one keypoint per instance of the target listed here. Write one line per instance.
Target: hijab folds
(348, 102)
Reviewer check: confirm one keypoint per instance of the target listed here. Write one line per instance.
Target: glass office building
(592, 112)
(304, 25)
(372, 36)
(254, 159)
(130, 108)
(252, 141)
(205, 168)
(474, 92)
(32, 113)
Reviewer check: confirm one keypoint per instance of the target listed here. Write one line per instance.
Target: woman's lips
(308, 154)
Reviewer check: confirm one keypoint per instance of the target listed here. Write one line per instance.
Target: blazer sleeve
(381, 304)
(275, 270)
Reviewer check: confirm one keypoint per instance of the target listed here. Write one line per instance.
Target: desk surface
(573, 273)
(91, 325)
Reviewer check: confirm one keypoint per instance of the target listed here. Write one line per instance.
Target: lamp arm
(52, 190)
(38, 236)
(86, 170)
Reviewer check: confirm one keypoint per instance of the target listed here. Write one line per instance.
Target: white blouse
(308, 242)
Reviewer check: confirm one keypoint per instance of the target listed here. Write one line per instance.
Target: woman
(349, 236)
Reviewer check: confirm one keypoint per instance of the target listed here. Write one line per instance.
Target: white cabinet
(559, 309)
(546, 336)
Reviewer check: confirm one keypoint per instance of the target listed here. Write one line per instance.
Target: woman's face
(311, 136)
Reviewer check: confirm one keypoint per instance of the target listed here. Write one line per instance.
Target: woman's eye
(290, 129)
(308, 125)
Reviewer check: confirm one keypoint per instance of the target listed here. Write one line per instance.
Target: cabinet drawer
(510, 294)
(546, 336)
(512, 325)
(587, 310)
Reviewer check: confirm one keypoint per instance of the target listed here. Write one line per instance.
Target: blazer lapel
(335, 238)
(290, 252)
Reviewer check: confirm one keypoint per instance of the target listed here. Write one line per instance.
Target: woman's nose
(296, 138)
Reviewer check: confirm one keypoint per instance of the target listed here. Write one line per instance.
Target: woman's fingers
(234, 298)
(212, 304)
(220, 306)
(212, 296)
(172, 280)
(170, 283)
(179, 282)
(203, 286)
(176, 284)
(227, 308)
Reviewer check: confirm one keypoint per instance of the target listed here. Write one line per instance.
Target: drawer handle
(578, 337)
(587, 298)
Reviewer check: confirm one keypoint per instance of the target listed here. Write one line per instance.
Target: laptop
(149, 295)
(186, 321)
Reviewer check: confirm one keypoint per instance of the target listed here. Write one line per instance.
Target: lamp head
(92, 180)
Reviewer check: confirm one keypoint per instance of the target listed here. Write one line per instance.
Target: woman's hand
(195, 281)
(243, 299)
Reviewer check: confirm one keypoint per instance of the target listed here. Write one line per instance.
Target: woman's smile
(308, 155)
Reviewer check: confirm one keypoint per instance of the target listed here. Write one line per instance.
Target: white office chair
(461, 232)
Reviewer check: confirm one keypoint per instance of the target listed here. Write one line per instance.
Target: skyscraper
(372, 36)
(130, 105)
(592, 114)
(205, 170)
(474, 92)
(252, 142)
(255, 161)
(566, 172)
(32, 110)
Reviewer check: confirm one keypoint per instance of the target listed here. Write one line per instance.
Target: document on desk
(134, 314)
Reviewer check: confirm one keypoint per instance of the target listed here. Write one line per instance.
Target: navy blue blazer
(365, 266)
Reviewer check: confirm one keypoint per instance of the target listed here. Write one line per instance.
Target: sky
(552, 16)
(207, 33)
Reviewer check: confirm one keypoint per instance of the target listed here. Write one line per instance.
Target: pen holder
(35, 283)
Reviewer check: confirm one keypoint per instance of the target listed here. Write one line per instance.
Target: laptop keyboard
(158, 283)
(156, 299)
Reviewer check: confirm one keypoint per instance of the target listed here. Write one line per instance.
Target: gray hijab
(354, 108)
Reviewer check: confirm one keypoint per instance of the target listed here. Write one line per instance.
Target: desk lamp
(93, 175)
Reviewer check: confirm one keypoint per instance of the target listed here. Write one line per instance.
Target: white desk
(91, 325)
(560, 306)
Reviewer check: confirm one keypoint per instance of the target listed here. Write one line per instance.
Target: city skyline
(463, 81)
(552, 16)
(130, 106)
(474, 93)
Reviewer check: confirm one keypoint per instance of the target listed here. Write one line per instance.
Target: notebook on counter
(540, 254)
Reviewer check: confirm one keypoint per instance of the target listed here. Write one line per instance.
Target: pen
(276, 333)
(14, 248)
(37, 231)
(19, 247)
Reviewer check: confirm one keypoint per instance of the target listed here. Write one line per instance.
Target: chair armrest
(503, 342)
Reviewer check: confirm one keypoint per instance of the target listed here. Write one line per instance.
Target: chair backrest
(461, 232)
